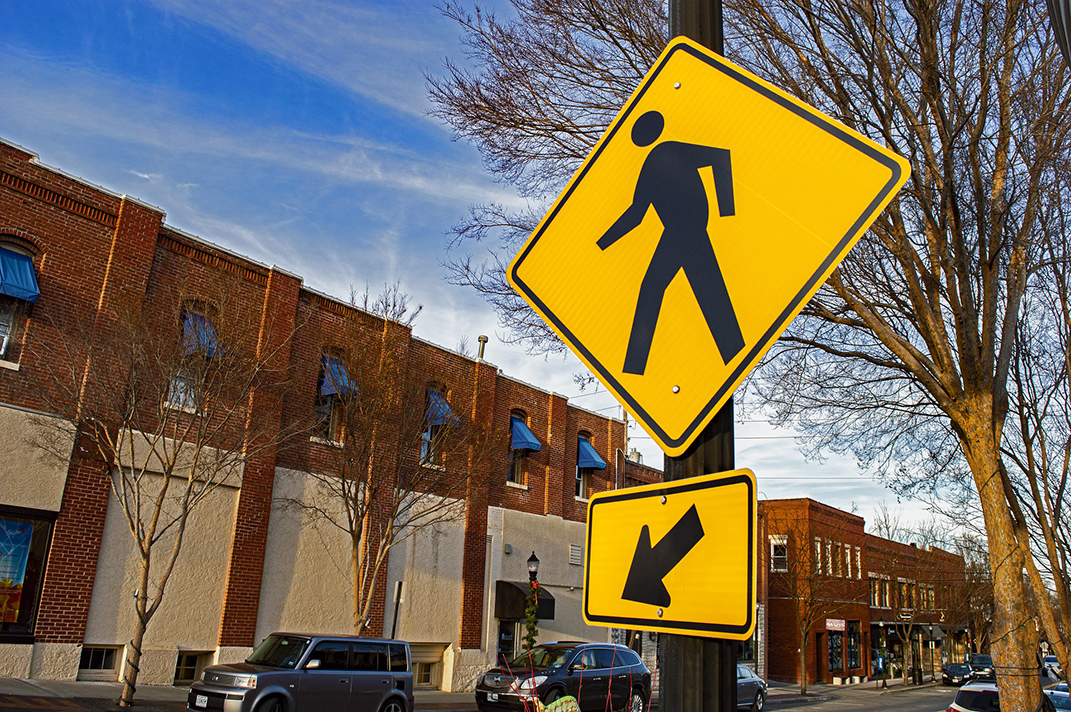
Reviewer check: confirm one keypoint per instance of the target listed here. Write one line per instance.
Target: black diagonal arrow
(650, 564)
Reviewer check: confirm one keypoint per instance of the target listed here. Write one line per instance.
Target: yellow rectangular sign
(675, 557)
(702, 222)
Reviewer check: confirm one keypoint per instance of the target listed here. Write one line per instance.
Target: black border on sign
(745, 365)
(676, 489)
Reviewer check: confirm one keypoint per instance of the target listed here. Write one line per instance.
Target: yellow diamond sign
(676, 557)
(711, 210)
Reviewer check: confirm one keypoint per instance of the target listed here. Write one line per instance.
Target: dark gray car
(290, 672)
(750, 689)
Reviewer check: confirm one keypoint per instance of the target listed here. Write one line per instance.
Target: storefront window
(836, 651)
(24, 540)
(854, 640)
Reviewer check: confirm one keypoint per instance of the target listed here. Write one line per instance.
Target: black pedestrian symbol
(669, 181)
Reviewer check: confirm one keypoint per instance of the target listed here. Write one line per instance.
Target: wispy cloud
(376, 50)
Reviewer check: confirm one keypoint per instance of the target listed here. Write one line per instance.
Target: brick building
(71, 254)
(860, 598)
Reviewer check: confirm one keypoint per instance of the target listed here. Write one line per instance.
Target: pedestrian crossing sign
(704, 219)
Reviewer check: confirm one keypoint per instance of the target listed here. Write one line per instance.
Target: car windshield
(282, 651)
(981, 660)
(957, 668)
(541, 656)
(1050, 658)
(978, 700)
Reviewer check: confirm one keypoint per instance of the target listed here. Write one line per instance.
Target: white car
(1052, 666)
(981, 696)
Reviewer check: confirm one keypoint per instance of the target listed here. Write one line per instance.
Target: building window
(522, 441)
(576, 555)
(437, 416)
(24, 542)
(858, 565)
(817, 555)
(189, 666)
(829, 558)
(847, 561)
(18, 292)
(199, 343)
(588, 461)
(778, 553)
(333, 388)
(875, 593)
(854, 642)
(836, 651)
(99, 664)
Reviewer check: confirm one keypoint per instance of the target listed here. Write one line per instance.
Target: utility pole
(699, 674)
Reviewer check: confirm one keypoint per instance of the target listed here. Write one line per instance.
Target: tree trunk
(1014, 638)
(133, 658)
(803, 663)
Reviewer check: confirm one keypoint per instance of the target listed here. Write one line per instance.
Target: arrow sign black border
(714, 630)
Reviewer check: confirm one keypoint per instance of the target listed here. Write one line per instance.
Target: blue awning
(586, 457)
(439, 410)
(199, 336)
(523, 439)
(17, 278)
(336, 378)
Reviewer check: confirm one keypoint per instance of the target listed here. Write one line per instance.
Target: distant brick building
(70, 252)
(863, 598)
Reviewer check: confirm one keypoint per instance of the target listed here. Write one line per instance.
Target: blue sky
(297, 133)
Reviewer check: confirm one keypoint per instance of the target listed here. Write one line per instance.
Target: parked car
(750, 689)
(1052, 666)
(956, 674)
(589, 672)
(1060, 687)
(1060, 700)
(982, 667)
(982, 696)
(291, 672)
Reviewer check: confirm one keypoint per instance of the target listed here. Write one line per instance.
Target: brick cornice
(63, 202)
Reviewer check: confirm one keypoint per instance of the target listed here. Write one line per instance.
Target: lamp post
(531, 629)
(884, 657)
(933, 674)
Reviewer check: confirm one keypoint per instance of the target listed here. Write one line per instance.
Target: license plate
(492, 697)
(200, 701)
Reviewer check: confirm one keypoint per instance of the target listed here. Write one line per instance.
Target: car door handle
(343, 680)
(385, 682)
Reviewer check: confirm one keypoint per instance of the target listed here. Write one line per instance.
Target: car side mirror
(313, 664)
(576, 666)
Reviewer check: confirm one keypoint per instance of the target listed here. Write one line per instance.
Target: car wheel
(635, 702)
(552, 695)
(272, 704)
(392, 706)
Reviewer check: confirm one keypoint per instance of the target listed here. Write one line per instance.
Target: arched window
(332, 386)
(521, 443)
(587, 461)
(199, 344)
(437, 417)
(18, 291)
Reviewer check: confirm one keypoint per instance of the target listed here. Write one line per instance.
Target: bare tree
(904, 356)
(405, 451)
(172, 397)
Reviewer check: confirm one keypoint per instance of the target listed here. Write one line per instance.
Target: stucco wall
(188, 618)
(307, 584)
(30, 476)
(15, 660)
(429, 563)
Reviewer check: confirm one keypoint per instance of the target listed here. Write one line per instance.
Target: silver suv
(291, 672)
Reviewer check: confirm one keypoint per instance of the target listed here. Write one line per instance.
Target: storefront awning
(336, 378)
(17, 278)
(586, 457)
(521, 437)
(510, 597)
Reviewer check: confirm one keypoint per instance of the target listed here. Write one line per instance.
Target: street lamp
(533, 567)
(933, 672)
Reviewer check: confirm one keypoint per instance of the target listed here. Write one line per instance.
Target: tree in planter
(904, 357)
(404, 450)
(172, 398)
